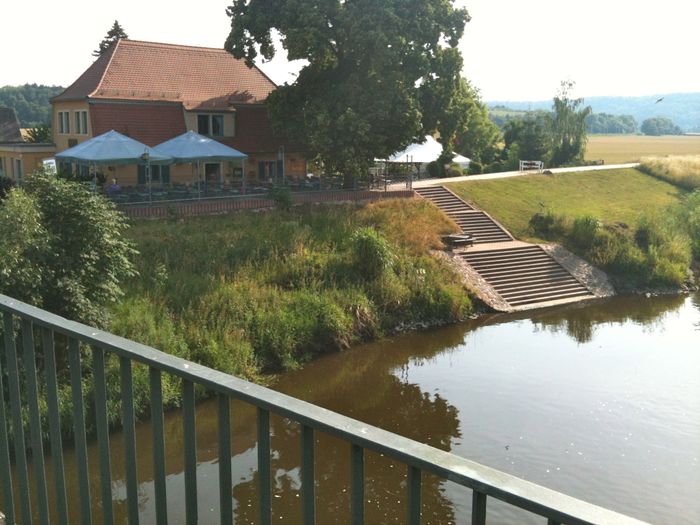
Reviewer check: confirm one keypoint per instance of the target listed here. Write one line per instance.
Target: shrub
(453, 170)
(435, 170)
(372, 254)
(6, 184)
(584, 230)
(548, 225)
(63, 248)
(281, 195)
(475, 168)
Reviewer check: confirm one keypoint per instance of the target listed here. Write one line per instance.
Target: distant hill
(682, 108)
(30, 102)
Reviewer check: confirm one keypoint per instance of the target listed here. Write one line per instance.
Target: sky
(512, 49)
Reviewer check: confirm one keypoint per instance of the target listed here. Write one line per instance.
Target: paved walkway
(506, 174)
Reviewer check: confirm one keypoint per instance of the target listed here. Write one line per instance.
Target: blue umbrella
(191, 147)
(113, 149)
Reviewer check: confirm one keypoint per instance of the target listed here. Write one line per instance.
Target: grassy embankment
(617, 149)
(630, 224)
(256, 292)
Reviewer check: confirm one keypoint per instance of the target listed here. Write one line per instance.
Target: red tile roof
(148, 123)
(198, 77)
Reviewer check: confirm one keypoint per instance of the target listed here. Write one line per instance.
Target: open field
(614, 149)
(612, 196)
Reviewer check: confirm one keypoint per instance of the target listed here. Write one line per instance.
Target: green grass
(255, 292)
(614, 196)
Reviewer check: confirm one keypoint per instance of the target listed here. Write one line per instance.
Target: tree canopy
(477, 136)
(63, 248)
(611, 124)
(660, 126)
(31, 102)
(379, 74)
(115, 33)
(568, 126)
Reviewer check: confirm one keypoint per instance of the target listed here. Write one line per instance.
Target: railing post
(17, 423)
(102, 423)
(478, 508)
(129, 429)
(264, 496)
(32, 389)
(225, 477)
(414, 499)
(190, 445)
(357, 485)
(5, 466)
(81, 457)
(307, 476)
(157, 425)
(49, 350)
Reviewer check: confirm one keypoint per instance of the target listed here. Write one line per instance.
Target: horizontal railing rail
(419, 458)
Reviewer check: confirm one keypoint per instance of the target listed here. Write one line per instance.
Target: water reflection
(580, 320)
(514, 392)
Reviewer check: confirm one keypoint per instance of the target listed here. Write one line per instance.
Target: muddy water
(600, 401)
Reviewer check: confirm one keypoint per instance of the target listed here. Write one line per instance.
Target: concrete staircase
(470, 220)
(523, 275)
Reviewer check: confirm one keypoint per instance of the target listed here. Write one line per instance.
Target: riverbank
(637, 228)
(266, 291)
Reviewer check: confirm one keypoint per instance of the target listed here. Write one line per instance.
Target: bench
(458, 240)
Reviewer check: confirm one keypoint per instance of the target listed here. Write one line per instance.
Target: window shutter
(165, 174)
(142, 174)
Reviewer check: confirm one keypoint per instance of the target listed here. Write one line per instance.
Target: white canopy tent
(424, 153)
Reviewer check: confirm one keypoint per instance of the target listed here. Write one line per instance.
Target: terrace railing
(21, 322)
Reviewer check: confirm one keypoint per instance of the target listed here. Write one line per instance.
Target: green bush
(281, 195)
(74, 245)
(6, 184)
(584, 230)
(475, 168)
(435, 170)
(655, 254)
(372, 254)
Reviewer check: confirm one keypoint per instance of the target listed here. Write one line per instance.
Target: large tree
(115, 33)
(568, 126)
(477, 136)
(380, 74)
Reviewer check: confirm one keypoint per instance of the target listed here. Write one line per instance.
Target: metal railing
(21, 321)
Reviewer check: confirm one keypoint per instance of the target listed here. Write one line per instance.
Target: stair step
(536, 300)
(517, 295)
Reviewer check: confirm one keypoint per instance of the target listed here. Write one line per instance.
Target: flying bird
(659, 100)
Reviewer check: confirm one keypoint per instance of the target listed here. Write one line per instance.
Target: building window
(217, 125)
(159, 174)
(2, 166)
(18, 170)
(210, 125)
(203, 124)
(81, 122)
(64, 122)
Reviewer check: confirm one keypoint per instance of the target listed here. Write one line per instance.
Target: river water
(598, 400)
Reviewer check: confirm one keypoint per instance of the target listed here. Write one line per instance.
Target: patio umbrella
(191, 147)
(113, 149)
